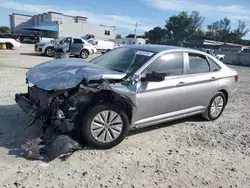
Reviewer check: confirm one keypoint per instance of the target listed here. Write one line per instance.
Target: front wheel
(105, 126)
(216, 107)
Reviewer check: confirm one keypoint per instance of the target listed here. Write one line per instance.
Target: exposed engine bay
(60, 108)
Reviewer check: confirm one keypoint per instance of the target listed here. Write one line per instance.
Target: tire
(50, 52)
(84, 54)
(221, 59)
(9, 46)
(210, 113)
(100, 135)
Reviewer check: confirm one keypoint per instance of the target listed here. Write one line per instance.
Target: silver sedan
(129, 87)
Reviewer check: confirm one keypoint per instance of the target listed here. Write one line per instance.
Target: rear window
(198, 64)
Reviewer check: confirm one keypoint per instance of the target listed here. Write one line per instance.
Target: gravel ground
(184, 153)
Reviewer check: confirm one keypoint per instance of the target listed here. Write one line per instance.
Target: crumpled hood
(67, 73)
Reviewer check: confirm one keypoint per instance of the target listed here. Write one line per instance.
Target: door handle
(180, 84)
(212, 79)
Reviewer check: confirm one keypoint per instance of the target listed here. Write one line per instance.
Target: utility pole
(135, 29)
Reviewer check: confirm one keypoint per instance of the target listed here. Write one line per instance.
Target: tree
(130, 36)
(197, 20)
(118, 36)
(219, 30)
(241, 29)
(4, 29)
(156, 34)
(179, 28)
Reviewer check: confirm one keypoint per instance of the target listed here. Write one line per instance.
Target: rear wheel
(9, 46)
(50, 52)
(84, 54)
(105, 126)
(216, 107)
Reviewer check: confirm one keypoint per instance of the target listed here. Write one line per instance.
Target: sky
(124, 14)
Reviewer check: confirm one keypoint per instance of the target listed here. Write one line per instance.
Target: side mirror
(154, 77)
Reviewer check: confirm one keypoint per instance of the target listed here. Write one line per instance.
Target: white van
(102, 45)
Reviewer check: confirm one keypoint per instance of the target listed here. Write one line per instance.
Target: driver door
(158, 101)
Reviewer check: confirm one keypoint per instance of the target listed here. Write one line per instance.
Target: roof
(154, 48)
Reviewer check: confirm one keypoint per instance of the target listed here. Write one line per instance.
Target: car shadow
(12, 129)
(32, 54)
(16, 67)
(13, 133)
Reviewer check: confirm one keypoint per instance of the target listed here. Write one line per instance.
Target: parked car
(11, 41)
(102, 45)
(31, 40)
(221, 57)
(128, 87)
(78, 47)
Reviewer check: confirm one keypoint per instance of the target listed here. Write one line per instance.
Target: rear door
(76, 46)
(200, 82)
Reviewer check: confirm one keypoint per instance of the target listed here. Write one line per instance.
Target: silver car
(129, 87)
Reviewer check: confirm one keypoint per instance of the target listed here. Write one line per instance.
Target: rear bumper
(26, 105)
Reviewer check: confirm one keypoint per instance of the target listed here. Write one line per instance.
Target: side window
(170, 64)
(213, 65)
(78, 41)
(198, 64)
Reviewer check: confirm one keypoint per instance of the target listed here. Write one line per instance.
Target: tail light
(17, 40)
(236, 78)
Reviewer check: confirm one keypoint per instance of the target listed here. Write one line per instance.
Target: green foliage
(180, 28)
(118, 36)
(4, 29)
(156, 34)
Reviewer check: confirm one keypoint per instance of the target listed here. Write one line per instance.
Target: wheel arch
(108, 96)
(86, 49)
(224, 91)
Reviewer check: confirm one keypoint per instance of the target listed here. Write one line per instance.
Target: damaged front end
(57, 108)
(58, 91)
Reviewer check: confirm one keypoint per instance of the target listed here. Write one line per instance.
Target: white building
(55, 24)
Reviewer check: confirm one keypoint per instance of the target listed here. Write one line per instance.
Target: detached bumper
(26, 105)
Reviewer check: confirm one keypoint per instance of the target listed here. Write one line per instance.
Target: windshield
(127, 60)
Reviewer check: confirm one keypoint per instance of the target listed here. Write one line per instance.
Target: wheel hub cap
(217, 106)
(106, 126)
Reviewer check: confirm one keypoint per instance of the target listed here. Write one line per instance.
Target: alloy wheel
(217, 106)
(106, 126)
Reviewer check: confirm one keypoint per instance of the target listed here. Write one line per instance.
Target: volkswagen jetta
(128, 87)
